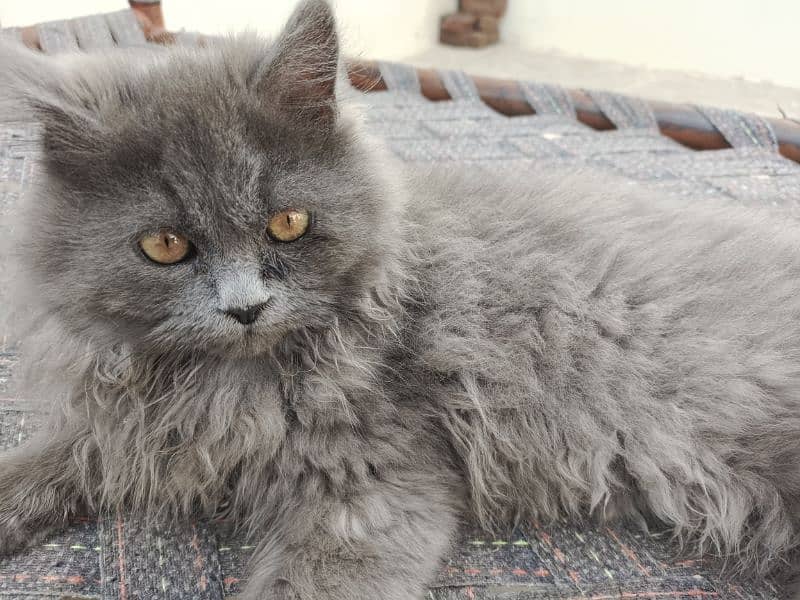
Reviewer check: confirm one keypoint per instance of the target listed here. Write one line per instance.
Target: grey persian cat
(234, 297)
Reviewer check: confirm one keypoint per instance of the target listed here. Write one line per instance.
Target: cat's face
(215, 200)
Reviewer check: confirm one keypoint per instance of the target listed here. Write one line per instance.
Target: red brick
(488, 25)
(475, 39)
(491, 8)
(460, 22)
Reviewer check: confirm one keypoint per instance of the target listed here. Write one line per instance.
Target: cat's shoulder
(581, 195)
(508, 184)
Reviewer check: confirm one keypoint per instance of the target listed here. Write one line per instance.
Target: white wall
(756, 39)
(370, 28)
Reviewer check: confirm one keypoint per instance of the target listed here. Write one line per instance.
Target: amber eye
(288, 225)
(165, 247)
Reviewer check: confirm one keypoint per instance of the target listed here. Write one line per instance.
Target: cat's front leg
(385, 544)
(38, 492)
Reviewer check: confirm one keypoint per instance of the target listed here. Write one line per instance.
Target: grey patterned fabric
(140, 560)
(625, 112)
(459, 86)
(119, 557)
(741, 130)
(125, 29)
(547, 99)
(11, 33)
(57, 36)
(399, 77)
(92, 33)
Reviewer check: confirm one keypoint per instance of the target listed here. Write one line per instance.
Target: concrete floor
(508, 61)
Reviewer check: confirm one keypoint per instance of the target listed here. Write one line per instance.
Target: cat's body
(609, 348)
(435, 346)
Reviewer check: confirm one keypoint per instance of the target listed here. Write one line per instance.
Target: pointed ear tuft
(33, 87)
(301, 75)
(70, 138)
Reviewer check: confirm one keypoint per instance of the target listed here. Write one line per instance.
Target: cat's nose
(247, 314)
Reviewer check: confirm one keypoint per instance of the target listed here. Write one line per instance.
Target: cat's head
(214, 198)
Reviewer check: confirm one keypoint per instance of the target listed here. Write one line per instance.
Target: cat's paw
(284, 591)
(15, 537)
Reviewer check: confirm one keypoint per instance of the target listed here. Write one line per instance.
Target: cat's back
(602, 236)
(581, 330)
(598, 266)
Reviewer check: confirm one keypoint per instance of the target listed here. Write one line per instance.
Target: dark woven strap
(175, 561)
(57, 36)
(18, 421)
(624, 112)
(11, 34)
(399, 77)
(459, 85)
(546, 99)
(125, 28)
(92, 32)
(741, 130)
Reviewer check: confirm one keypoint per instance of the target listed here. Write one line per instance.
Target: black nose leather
(247, 314)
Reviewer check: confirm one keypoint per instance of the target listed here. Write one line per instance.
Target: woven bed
(114, 556)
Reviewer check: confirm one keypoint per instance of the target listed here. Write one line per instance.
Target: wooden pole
(681, 122)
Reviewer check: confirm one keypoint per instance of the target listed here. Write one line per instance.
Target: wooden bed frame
(681, 122)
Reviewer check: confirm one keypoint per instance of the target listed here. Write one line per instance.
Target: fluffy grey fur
(436, 346)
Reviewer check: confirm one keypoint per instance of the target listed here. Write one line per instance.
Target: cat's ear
(71, 138)
(301, 75)
(35, 88)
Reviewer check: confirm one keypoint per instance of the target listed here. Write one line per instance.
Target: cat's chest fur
(176, 437)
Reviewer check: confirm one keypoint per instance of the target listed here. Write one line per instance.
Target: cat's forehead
(219, 159)
(214, 188)
(207, 137)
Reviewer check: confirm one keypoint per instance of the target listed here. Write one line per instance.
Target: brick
(463, 23)
(488, 25)
(460, 22)
(490, 8)
(475, 39)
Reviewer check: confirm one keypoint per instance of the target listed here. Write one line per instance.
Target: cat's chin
(249, 345)
(221, 342)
